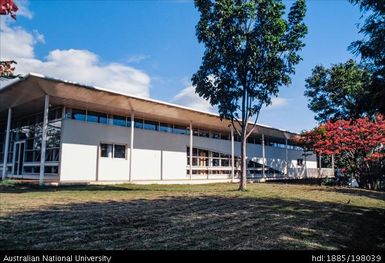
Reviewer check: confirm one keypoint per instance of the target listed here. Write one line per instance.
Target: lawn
(267, 216)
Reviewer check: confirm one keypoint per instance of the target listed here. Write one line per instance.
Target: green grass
(267, 216)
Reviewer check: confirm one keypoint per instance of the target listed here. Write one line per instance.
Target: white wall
(156, 155)
(80, 159)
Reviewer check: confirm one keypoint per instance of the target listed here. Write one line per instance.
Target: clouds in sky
(87, 67)
(76, 65)
(277, 103)
(189, 98)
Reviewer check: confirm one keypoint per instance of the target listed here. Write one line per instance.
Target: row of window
(97, 117)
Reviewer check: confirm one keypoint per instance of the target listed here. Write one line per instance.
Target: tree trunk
(242, 183)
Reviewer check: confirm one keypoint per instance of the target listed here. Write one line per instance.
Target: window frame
(112, 157)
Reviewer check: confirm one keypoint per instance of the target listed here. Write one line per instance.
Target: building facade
(54, 130)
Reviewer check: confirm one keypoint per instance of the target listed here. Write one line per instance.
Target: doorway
(18, 157)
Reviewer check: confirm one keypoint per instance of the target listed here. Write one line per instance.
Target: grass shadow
(356, 192)
(204, 222)
(33, 187)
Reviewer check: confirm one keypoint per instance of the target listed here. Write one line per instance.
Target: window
(113, 151)
(203, 133)
(79, 115)
(225, 137)
(138, 123)
(105, 150)
(251, 140)
(165, 127)
(180, 130)
(119, 121)
(119, 151)
(150, 125)
(97, 117)
(215, 135)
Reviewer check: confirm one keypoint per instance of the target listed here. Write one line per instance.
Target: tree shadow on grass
(29, 187)
(207, 222)
(356, 192)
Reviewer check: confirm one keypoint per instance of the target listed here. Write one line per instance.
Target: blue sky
(154, 43)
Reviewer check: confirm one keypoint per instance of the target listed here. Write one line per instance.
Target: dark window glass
(179, 130)
(97, 117)
(29, 144)
(79, 115)
(225, 137)
(105, 150)
(128, 122)
(138, 123)
(204, 133)
(165, 127)
(151, 125)
(119, 151)
(27, 169)
(215, 135)
(250, 139)
(119, 121)
(55, 114)
(225, 163)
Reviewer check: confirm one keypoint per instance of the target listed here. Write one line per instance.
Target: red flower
(8, 7)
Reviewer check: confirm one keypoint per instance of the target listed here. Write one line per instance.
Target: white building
(54, 130)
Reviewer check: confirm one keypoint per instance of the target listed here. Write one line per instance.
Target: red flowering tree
(7, 7)
(358, 144)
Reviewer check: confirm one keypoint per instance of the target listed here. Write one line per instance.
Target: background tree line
(348, 100)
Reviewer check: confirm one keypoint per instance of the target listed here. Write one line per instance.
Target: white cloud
(137, 58)
(187, 97)
(277, 103)
(81, 66)
(23, 6)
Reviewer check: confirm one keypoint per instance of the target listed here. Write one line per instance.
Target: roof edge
(97, 88)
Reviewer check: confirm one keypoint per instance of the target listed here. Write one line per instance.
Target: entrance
(18, 158)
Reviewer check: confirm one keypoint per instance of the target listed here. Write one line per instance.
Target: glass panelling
(79, 115)
(119, 121)
(165, 127)
(98, 117)
(119, 151)
(138, 123)
(151, 125)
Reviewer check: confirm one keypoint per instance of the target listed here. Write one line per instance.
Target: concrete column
(191, 149)
(131, 142)
(232, 154)
(333, 168)
(263, 156)
(305, 166)
(5, 159)
(63, 113)
(287, 158)
(44, 139)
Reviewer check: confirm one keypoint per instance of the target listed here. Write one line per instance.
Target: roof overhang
(28, 93)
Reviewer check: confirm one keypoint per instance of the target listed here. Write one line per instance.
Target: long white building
(54, 130)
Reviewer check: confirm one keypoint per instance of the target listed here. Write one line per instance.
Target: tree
(338, 92)
(250, 51)
(358, 144)
(7, 7)
(372, 49)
